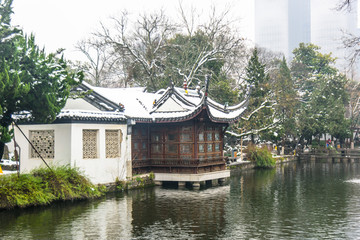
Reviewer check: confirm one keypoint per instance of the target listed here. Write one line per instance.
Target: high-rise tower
(280, 25)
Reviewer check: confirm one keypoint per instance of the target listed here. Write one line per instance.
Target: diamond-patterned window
(90, 143)
(112, 143)
(44, 142)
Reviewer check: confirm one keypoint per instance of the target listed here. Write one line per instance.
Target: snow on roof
(171, 104)
(90, 115)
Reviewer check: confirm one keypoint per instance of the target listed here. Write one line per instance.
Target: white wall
(61, 145)
(102, 169)
(68, 151)
(79, 103)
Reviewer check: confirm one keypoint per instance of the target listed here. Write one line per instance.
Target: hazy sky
(62, 23)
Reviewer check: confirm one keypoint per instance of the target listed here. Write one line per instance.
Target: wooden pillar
(195, 140)
(148, 142)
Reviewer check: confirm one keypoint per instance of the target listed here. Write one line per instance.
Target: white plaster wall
(62, 149)
(101, 169)
(79, 103)
(69, 151)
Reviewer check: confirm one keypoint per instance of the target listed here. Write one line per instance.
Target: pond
(300, 200)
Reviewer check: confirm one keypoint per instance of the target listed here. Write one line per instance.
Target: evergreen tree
(322, 92)
(259, 111)
(31, 82)
(286, 102)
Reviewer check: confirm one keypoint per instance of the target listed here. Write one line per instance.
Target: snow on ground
(8, 172)
(354, 181)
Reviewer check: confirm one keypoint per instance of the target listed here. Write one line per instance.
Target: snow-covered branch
(254, 131)
(263, 105)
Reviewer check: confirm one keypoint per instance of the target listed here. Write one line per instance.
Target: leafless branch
(352, 43)
(254, 131)
(344, 5)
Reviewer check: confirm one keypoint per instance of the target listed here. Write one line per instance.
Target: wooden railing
(177, 162)
(334, 154)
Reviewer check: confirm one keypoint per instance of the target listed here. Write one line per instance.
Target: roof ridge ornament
(185, 86)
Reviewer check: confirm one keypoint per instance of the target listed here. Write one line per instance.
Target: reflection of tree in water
(308, 199)
(185, 213)
(295, 201)
(41, 222)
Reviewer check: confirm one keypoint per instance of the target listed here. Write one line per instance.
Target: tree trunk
(2, 146)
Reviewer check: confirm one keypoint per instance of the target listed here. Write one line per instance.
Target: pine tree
(286, 102)
(259, 113)
(31, 81)
(255, 76)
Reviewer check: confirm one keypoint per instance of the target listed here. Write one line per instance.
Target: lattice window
(112, 142)
(44, 142)
(90, 145)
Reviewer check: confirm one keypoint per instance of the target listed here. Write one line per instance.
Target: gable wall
(62, 149)
(68, 147)
(79, 103)
(100, 169)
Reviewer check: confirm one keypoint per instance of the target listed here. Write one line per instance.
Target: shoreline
(147, 180)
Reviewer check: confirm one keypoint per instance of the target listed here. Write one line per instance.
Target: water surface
(294, 201)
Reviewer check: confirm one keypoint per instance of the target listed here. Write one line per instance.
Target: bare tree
(226, 44)
(344, 5)
(143, 47)
(351, 42)
(353, 108)
(152, 51)
(99, 60)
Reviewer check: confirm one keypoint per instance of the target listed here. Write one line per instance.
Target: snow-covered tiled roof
(91, 115)
(170, 105)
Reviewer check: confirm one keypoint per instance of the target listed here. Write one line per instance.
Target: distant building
(327, 27)
(280, 25)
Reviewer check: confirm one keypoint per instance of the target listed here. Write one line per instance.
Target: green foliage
(259, 112)
(323, 94)
(286, 99)
(44, 186)
(261, 156)
(120, 185)
(29, 76)
(183, 54)
(222, 92)
(151, 176)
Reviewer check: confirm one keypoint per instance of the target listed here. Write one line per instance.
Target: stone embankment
(332, 155)
(244, 165)
(136, 182)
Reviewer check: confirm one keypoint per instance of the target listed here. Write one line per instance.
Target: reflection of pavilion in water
(153, 213)
(183, 212)
(145, 214)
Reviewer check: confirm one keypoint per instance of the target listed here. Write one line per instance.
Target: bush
(261, 156)
(43, 186)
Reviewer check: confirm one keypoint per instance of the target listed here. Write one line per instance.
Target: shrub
(151, 176)
(23, 191)
(261, 156)
(43, 186)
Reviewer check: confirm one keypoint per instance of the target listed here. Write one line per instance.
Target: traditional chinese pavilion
(177, 133)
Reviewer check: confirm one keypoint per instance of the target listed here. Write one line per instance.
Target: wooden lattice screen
(90, 148)
(44, 142)
(112, 142)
